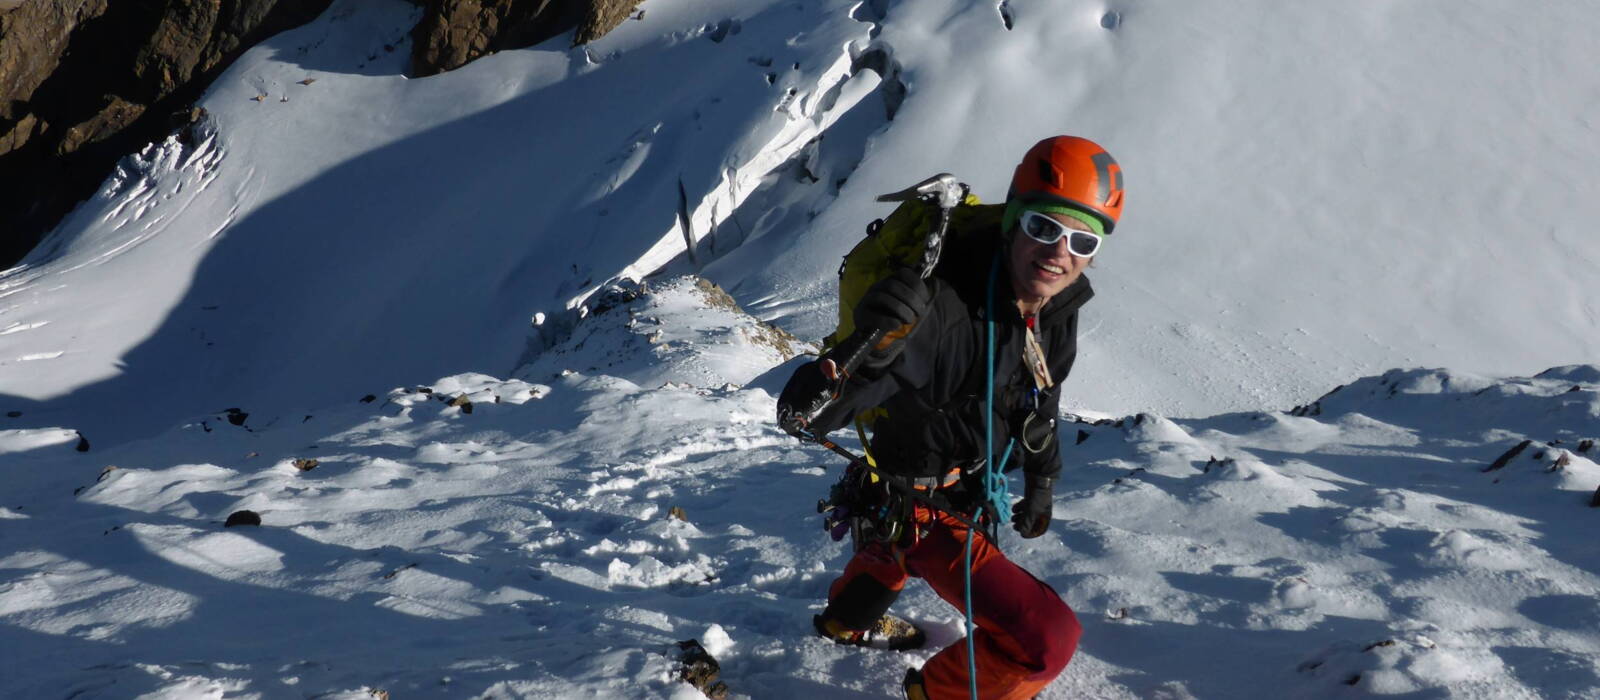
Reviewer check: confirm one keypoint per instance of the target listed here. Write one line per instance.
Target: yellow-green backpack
(900, 240)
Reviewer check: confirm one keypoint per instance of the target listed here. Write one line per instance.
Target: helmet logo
(1049, 173)
(1105, 187)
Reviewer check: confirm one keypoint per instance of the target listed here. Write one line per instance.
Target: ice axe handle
(852, 352)
(848, 356)
(944, 191)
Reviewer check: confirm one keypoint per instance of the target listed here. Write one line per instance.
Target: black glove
(892, 306)
(806, 392)
(1030, 517)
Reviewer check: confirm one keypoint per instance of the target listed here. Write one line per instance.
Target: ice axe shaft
(947, 193)
(941, 190)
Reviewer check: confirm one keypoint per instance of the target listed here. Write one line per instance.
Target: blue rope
(996, 490)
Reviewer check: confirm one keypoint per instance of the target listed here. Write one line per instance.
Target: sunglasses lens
(1042, 228)
(1083, 244)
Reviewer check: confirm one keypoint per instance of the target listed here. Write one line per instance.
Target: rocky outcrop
(452, 33)
(84, 82)
(602, 16)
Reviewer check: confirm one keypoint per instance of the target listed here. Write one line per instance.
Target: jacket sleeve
(911, 370)
(1047, 462)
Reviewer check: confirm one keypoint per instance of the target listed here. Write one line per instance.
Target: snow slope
(420, 225)
(555, 539)
(1317, 193)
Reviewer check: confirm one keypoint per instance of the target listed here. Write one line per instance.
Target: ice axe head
(943, 189)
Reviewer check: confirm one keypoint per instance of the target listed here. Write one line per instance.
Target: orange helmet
(1073, 171)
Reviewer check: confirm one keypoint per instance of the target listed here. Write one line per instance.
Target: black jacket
(933, 393)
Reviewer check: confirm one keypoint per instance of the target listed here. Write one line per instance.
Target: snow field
(1320, 192)
(383, 538)
(1382, 539)
(353, 220)
(559, 537)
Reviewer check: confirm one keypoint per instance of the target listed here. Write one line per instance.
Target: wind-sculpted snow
(500, 538)
(340, 226)
(1316, 193)
(681, 330)
(1319, 192)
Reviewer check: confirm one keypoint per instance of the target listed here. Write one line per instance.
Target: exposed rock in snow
(65, 119)
(1251, 555)
(683, 330)
(453, 33)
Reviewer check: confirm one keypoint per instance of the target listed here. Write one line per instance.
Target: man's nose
(1062, 248)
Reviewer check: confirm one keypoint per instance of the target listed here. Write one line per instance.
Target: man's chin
(1043, 289)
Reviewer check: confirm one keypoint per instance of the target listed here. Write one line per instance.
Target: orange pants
(1025, 633)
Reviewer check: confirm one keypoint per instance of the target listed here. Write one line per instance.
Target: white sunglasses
(1046, 231)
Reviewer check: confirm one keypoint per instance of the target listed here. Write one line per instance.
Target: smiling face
(1039, 271)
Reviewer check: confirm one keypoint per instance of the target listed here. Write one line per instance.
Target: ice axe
(942, 191)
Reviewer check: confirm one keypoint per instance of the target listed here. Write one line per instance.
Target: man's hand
(1030, 517)
(892, 307)
(808, 391)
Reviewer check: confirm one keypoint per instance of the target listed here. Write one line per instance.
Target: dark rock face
(454, 32)
(84, 82)
(602, 16)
